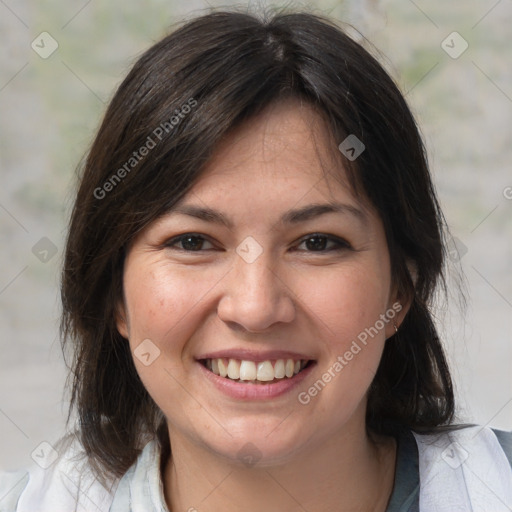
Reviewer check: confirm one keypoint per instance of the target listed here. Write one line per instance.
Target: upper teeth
(262, 371)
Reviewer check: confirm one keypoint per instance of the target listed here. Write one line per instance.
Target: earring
(396, 328)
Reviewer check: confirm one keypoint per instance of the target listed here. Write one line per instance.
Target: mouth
(246, 371)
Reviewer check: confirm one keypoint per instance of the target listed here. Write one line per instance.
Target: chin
(263, 446)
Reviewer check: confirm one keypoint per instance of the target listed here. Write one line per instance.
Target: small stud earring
(396, 328)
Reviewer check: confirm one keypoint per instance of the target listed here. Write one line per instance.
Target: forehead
(286, 146)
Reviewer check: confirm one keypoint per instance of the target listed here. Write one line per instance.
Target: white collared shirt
(460, 471)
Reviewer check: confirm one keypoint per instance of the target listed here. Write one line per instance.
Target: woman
(247, 285)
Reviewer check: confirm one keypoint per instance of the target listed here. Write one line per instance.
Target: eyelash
(340, 244)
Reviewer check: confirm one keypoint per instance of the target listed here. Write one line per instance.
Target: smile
(252, 372)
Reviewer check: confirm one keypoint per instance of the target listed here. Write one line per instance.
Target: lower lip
(255, 391)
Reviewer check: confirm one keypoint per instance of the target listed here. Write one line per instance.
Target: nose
(255, 297)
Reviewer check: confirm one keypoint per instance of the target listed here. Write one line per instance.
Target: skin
(292, 297)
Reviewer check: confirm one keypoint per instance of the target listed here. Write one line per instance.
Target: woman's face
(268, 259)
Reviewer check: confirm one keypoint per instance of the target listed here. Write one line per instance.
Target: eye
(322, 243)
(190, 242)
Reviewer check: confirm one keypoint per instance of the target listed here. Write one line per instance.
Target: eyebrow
(316, 210)
(296, 216)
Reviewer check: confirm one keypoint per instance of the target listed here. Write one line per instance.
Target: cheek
(347, 305)
(163, 302)
(347, 301)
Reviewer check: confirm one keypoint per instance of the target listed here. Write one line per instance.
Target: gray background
(50, 108)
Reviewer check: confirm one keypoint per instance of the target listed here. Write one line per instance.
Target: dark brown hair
(227, 67)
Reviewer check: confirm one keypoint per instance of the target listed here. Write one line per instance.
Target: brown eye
(316, 243)
(189, 242)
(192, 243)
(322, 243)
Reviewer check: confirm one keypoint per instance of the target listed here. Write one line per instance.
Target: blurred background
(60, 65)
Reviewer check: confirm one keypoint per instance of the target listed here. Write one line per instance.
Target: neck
(348, 472)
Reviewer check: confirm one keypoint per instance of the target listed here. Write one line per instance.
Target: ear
(413, 271)
(399, 305)
(121, 320)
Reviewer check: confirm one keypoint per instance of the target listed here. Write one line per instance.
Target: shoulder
(60, 480)
(465, 468)
(63, 480)
(505, 440)
(141, 487)
(467, 437)
(11, 487)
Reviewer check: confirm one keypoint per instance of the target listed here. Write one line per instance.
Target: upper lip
(254, 355)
